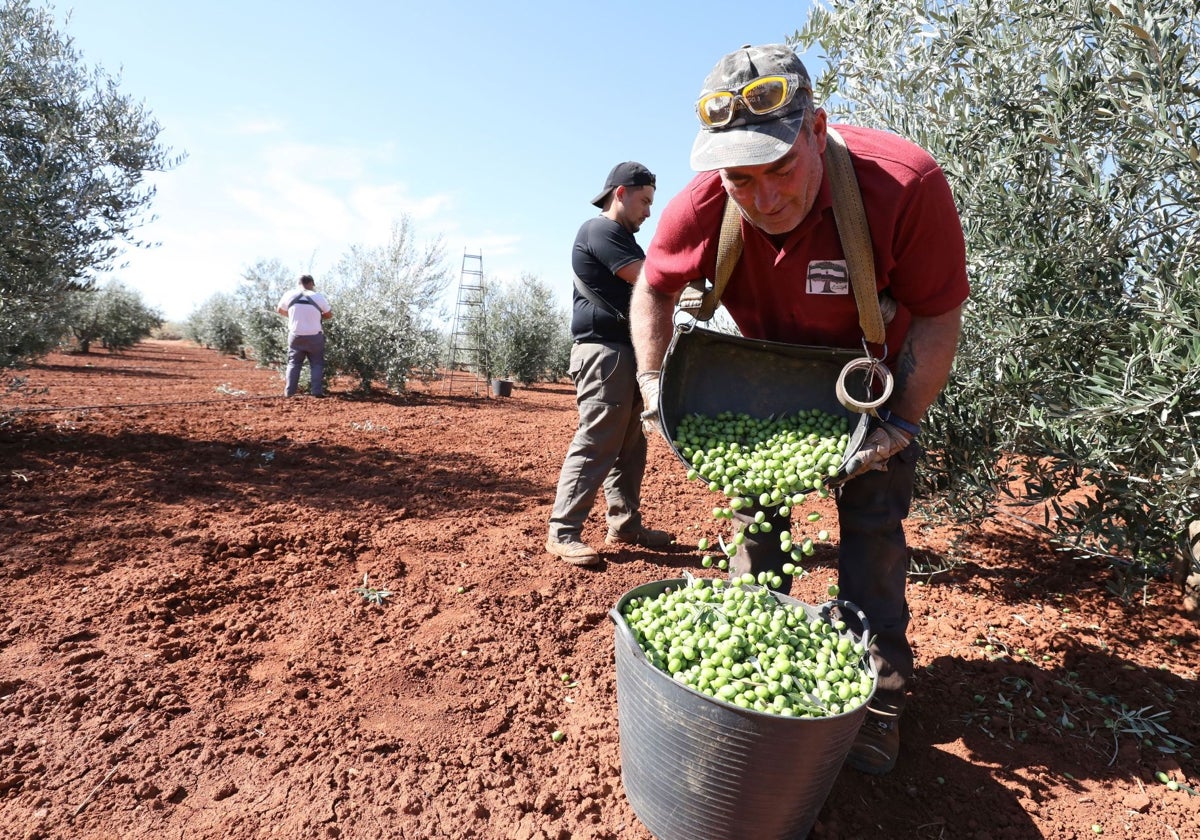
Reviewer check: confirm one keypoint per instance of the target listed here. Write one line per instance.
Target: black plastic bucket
(708, 372)
(698, 768)
(502, 387)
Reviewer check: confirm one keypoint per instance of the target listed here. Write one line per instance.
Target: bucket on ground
(697, 767)
(502, 387)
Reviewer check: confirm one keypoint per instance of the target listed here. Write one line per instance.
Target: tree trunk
(1190, 568)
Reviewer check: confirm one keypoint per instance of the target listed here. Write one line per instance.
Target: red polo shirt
(801, 293)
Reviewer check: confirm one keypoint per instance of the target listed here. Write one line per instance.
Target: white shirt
(304, 310)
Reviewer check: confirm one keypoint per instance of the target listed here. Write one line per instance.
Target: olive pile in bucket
(739, 644)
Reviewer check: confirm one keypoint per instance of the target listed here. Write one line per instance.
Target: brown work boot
(573, 551)
(877, 745)
(640, 536)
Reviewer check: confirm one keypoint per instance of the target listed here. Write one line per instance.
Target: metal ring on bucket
(875, 369)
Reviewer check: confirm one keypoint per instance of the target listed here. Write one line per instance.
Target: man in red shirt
(761, 144)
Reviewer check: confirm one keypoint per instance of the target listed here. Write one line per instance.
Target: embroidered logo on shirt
(828, 277)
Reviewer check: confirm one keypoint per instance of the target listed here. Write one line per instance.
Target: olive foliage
(387, 304)
(74, 152)
(524, 331)
(1066, 129)
(217, 323)
(114, 315)
(257, 296)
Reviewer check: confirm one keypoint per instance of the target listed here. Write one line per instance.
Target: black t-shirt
(602, 248)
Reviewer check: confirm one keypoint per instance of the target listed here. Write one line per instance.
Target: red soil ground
(183, 654)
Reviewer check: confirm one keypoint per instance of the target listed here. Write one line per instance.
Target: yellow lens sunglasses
(761, 96)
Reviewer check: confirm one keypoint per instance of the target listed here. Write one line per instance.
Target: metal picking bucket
(707, 372)
(695, 767)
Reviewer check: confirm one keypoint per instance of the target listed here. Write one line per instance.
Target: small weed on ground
(372, 594)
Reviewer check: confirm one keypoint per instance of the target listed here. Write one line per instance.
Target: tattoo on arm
(906, 363)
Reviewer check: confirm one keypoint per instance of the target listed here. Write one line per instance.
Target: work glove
(647, 382)
(884, 441)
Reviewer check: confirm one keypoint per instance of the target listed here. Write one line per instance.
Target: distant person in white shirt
(305, 309)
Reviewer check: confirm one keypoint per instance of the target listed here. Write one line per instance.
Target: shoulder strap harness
(302, 298)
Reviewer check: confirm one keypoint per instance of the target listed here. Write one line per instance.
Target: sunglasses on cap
(764, 95)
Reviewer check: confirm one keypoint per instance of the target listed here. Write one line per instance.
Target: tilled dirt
(183, 653)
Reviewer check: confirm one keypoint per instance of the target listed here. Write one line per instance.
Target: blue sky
(310, 127)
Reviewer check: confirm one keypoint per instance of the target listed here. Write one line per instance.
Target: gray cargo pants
(301, 347)
(609, 447)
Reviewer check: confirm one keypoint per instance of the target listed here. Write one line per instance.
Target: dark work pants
(301, 347)
(872, 562)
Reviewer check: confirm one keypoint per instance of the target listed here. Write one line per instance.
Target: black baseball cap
(752, 139)
(627, 174)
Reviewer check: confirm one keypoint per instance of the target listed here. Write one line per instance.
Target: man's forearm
(924, 364)
(651, 324)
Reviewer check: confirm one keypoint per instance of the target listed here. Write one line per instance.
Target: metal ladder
(467, 349)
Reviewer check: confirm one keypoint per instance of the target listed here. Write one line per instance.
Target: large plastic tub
(698, 768)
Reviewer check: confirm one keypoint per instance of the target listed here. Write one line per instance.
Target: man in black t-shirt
(609, 447)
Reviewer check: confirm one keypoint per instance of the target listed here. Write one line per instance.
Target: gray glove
(647, 382)
(881, 444)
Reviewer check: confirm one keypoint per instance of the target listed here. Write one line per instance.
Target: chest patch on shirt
(828, 277)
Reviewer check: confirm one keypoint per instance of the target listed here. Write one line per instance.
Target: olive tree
(74, 152)
(523, 330)
(558, 364)
(385, 302)
(217, 323)
(1066, 129)
(263, 284)
(114, 315)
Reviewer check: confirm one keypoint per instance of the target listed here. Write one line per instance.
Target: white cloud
(303, 204)
(258, 125)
